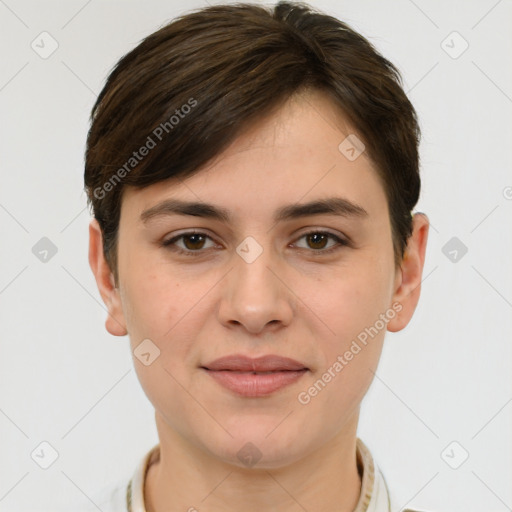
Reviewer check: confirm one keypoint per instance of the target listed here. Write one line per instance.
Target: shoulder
(110, 498)
(392, 504)
(113, 499)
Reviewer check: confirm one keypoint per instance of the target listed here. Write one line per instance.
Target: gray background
(445, 378)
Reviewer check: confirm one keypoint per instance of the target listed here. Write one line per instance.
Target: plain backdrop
(443, 389)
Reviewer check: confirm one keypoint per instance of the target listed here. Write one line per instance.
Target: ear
(115, 322)
(408, 281)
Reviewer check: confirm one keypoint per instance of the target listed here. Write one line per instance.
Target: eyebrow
(330, 206)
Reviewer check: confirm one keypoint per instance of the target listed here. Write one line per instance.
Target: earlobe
(115, 322)
(407, 289)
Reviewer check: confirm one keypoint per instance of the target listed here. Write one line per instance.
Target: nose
(256, 295)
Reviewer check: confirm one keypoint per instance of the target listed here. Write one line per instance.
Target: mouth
(255, 384)
(256, 373)
(260, 365)
(255, 378)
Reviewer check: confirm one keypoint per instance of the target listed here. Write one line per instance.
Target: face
(310, 285)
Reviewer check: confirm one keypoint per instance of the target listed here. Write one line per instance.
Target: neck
(185, 477)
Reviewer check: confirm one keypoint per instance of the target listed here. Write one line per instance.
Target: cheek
(151, 303)
(143, 293)
(167, 307)
(348, 300)
(350, 304)
(157, 310)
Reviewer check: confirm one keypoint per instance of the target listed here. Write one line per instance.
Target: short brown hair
(188, 89)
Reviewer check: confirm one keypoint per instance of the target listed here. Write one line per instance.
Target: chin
(258, 448)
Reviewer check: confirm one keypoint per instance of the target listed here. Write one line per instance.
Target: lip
(244, 375)
(268, 363)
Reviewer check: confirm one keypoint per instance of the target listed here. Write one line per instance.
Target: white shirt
(129, 496)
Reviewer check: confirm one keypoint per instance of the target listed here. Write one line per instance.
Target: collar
(374, 495)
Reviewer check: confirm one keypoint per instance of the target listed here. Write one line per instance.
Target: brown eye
(316, 242)
(191, 243)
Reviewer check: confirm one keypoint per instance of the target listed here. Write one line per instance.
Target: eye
(317, 240)
(193, 243)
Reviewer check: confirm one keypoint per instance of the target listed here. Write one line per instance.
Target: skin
(292, 301)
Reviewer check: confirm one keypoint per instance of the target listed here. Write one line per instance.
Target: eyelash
(340, 242)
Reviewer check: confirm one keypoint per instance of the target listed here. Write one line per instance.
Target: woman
(252, 174)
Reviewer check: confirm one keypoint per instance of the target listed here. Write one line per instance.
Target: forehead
(296, 154)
